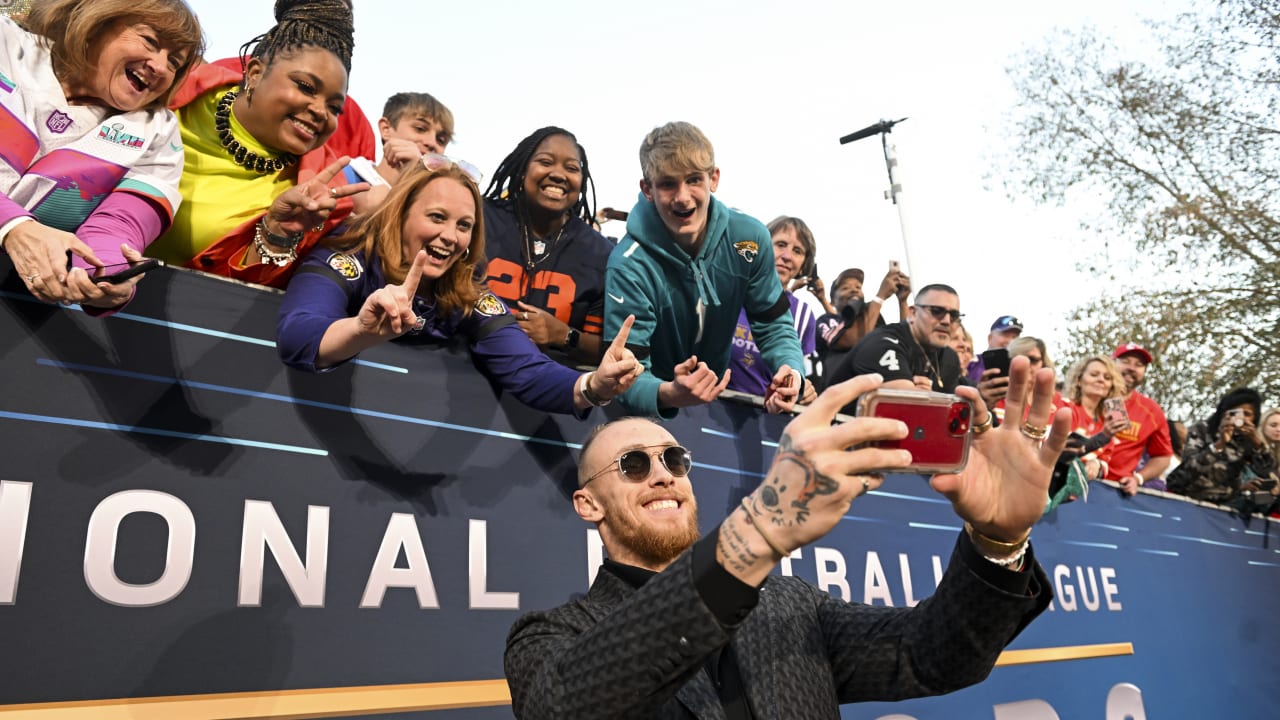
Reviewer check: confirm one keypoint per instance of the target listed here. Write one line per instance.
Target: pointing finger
(333, 168)
(620, 340)
(414, 276)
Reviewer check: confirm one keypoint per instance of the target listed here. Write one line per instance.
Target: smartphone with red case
(937, 427)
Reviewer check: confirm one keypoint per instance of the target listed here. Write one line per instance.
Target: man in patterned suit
(677, 627)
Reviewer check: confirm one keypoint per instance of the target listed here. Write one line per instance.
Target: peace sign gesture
(388, 312)
(307, 205)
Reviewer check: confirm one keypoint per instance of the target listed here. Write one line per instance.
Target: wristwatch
(571, 340)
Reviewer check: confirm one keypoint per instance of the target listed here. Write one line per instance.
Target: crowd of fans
(261, 168)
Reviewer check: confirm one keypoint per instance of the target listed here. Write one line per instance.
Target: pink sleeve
(10, 209)
(122, 218)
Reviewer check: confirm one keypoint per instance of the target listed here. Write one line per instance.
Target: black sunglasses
(938, 312)
(635, 465)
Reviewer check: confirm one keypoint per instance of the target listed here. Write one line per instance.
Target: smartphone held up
(938, 427)
(118, 273)
(1114, 409)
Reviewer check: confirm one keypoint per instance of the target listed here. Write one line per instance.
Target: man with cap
(1148, 431)
(993, 387)
(680, 627)
(1004, 330)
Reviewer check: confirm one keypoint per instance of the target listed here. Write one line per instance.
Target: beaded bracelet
(1001, 553)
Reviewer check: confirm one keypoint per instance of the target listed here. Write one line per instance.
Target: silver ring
(866, 486)
(32, 278)
(333, 193)
(524, 316)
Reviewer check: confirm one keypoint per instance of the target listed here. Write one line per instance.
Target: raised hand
(813, 480)
(1116, 424)
(694, 384)
(308, 204)
(618, 369)
(1003, 489)
(388, 311)
(400, 153)
(993, 386)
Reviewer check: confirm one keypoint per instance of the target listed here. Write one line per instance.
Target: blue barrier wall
(180, 514)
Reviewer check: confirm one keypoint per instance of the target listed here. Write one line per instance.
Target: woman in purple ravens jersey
(408, 271)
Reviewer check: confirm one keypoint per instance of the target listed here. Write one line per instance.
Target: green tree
(1174, 161)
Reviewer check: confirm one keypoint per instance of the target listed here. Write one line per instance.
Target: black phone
(813, 278)
(997, 358)
(119, 272)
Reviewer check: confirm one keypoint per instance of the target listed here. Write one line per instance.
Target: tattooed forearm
(732, 549)
(791, 469)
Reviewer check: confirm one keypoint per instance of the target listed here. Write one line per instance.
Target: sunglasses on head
(436, 161)
(636, 465)
(938, 312)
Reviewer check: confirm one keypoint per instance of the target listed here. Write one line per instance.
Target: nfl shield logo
(58, 122)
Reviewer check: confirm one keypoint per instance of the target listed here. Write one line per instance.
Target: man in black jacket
(915, 352)
(677, 627)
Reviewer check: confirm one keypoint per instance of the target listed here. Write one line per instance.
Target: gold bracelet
(752, 521)
(992, 547)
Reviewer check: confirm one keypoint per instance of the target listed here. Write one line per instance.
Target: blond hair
(675, 149)
(1075, 394)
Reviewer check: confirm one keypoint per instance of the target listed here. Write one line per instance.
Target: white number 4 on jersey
(889, 360)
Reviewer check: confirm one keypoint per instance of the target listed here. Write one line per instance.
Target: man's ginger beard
(657, 549)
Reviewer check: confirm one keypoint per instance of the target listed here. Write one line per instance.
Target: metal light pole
(894, 193)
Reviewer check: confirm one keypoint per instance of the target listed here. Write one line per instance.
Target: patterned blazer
(626, 653)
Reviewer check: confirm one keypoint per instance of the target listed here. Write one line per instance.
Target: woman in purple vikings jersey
(89, 156)
(794, 254)
(408, 271)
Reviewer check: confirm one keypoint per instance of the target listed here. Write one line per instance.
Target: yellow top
(218, 195)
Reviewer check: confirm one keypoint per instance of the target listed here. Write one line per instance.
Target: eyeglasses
(938, 312)
(436, 161)
(635, 465)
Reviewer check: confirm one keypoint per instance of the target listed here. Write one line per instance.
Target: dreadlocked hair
(326, 24)
(508, 180)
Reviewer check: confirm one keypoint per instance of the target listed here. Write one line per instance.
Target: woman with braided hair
(260, 186)
(546, 261)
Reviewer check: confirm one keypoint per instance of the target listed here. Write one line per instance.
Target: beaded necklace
(239, 153)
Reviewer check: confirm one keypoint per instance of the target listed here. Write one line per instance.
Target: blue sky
(774, 85)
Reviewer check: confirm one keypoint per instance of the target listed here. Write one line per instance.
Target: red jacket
(221, 257)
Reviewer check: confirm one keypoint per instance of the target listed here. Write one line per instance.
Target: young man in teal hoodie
(686, 267)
